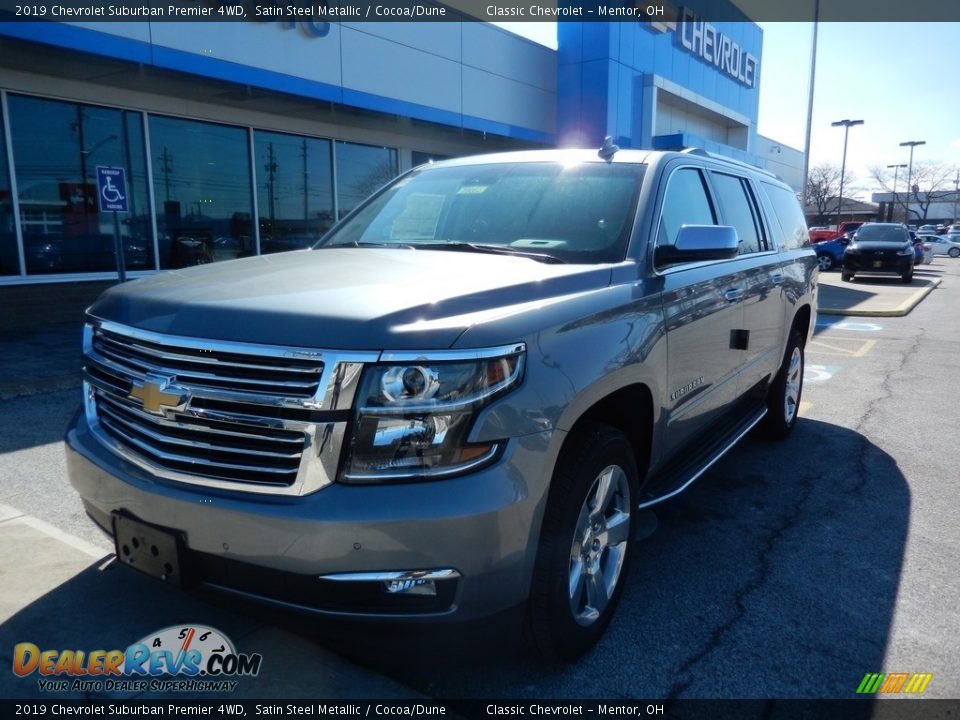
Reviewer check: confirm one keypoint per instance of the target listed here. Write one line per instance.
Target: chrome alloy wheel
(792, 386)
(599, 545)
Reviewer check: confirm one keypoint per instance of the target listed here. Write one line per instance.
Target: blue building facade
(687, 83)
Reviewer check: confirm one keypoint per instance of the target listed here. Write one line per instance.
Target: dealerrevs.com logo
(184, 658)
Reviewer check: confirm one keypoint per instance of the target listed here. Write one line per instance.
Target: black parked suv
(879, 248)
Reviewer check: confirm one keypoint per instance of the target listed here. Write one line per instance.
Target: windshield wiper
(369, 243)
(487, 249)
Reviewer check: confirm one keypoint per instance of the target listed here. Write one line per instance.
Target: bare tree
(823, 187)
(931, 182)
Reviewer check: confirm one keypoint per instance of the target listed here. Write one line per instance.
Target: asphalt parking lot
(788, 570)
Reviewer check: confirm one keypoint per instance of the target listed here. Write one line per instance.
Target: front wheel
(846, 276)
(584, 549)
(783, 402)
(954, 252)
(907, 277)
(825, 262)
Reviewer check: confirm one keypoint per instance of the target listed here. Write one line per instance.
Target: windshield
(580, 213)
(882, 233)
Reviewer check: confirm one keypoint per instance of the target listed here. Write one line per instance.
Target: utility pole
(306, 173)
(896, 169)
(271, 168)
(166, 167)
(911, 144)
(846, 125)
(813, 75)
(956, 191)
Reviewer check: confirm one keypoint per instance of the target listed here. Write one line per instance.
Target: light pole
(896, 169)
(956, 191)
(813, 76)
(911, 144)
(846, 124)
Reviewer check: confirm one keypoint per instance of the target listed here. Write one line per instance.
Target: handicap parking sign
(112, 189)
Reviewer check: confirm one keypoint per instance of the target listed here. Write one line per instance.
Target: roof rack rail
(725, 158)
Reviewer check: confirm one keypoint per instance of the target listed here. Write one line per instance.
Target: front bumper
(484, 525)
(866, 262)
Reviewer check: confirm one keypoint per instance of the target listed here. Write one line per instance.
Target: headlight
(414, 414)
(853, 249)
(906, 251)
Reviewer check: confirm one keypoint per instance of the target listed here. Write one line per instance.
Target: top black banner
(323, 11)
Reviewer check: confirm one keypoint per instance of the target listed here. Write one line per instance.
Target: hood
(344, 298)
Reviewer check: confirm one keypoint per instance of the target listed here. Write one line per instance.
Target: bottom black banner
(893, 709)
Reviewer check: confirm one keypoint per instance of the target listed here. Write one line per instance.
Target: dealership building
(245, 138)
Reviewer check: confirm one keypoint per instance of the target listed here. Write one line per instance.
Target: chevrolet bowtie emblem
(157, 396)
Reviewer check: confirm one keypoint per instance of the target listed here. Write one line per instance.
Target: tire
(584, 555)
(783, 400)
(846, 276)
(825, 262)
(953, 252)
(907, 278)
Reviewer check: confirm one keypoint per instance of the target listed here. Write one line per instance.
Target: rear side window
(789, 215)
(686, 203)
(738, 208)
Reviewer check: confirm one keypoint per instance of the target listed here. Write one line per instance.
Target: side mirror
(697, 243)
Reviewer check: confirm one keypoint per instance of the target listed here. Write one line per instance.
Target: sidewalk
(61, 591)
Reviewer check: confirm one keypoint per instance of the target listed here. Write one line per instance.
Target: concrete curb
(905, 307)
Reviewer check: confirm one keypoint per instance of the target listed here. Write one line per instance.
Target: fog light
(411, 587)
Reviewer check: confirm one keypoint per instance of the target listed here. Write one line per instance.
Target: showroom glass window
(9, 257)
(362, 169)
(294, 190)
(57, 147)
(202, 191)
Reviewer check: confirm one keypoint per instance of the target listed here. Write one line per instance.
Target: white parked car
(943, 244)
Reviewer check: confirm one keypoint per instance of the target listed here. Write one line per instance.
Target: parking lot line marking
(12, 514)
(804, 408)
(860, 346)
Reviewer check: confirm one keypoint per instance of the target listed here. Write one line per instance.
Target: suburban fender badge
(681, 391)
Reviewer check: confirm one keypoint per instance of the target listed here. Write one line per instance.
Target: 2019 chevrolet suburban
(458, 402)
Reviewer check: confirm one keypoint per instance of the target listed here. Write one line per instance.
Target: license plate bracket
(149, 549)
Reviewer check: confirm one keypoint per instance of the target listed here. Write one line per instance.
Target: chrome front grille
(204, 367)
(231, 415)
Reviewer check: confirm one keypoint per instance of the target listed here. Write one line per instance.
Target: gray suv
(457, 403)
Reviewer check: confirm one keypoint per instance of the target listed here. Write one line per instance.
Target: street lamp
(911, 144)
(846, 124)
(896, 169)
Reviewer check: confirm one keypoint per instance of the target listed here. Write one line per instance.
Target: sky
(899, 78)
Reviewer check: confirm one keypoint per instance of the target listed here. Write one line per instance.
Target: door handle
(777, 278)
(733, 295)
